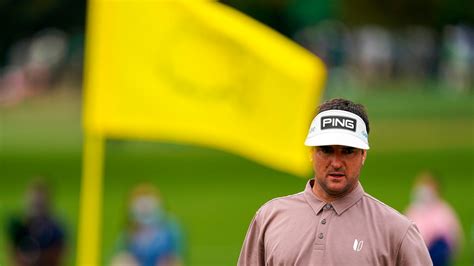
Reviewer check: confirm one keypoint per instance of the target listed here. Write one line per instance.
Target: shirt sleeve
(413, 250)
(252, 252)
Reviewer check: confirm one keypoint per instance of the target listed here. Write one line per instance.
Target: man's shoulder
(282, 203)
(386, 213)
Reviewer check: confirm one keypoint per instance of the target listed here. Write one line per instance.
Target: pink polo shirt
(358, 229)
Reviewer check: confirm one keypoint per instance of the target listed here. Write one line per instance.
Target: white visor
(337, 127)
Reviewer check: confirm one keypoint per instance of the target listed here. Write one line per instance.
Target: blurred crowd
(36, 236)
(357, 57)
(368, 55)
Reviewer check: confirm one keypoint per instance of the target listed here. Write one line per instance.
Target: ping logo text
(342, 122)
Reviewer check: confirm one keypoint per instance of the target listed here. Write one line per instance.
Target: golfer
(333, 221)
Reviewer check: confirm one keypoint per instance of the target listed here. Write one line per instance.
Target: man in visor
(333, 221)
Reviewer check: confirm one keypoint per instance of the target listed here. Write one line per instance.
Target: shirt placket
(323, 226)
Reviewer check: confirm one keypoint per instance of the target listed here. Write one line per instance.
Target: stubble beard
(323, 184)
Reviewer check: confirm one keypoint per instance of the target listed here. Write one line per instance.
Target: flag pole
(90, 216)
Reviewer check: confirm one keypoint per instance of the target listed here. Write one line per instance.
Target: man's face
(336, 169)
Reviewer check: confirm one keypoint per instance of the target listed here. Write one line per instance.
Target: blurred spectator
(33, 66)
(416, 53)
(36, 238)
(152, 238)
(327, 40)
(436, 220)
(458, 58)
(372, 53)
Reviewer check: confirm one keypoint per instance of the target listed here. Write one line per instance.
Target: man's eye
(348, 150)
(326, 150)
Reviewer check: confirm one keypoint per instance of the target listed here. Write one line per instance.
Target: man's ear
(364, 156)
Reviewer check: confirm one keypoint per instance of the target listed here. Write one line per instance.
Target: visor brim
(336, 138)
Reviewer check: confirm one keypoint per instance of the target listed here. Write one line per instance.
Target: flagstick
(90, 215)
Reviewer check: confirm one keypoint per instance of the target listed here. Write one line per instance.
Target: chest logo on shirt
(358, 244)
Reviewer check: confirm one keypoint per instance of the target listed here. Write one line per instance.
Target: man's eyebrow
(327, 148)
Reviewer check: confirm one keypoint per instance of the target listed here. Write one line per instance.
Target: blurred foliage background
(410, 62)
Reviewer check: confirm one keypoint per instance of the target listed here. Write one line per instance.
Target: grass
(214, 194)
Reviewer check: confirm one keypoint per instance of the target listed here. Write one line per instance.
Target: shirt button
(320, 236)
(323, 221)
(327, 206)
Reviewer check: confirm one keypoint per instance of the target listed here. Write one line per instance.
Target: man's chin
(336, 189)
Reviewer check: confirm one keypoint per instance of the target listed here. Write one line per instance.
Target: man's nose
(336, 161)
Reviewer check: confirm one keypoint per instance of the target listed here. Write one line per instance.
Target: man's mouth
(336, 174)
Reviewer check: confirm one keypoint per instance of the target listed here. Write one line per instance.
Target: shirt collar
(339, 205)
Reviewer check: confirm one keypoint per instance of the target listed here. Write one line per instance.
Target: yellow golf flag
(199, 72)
